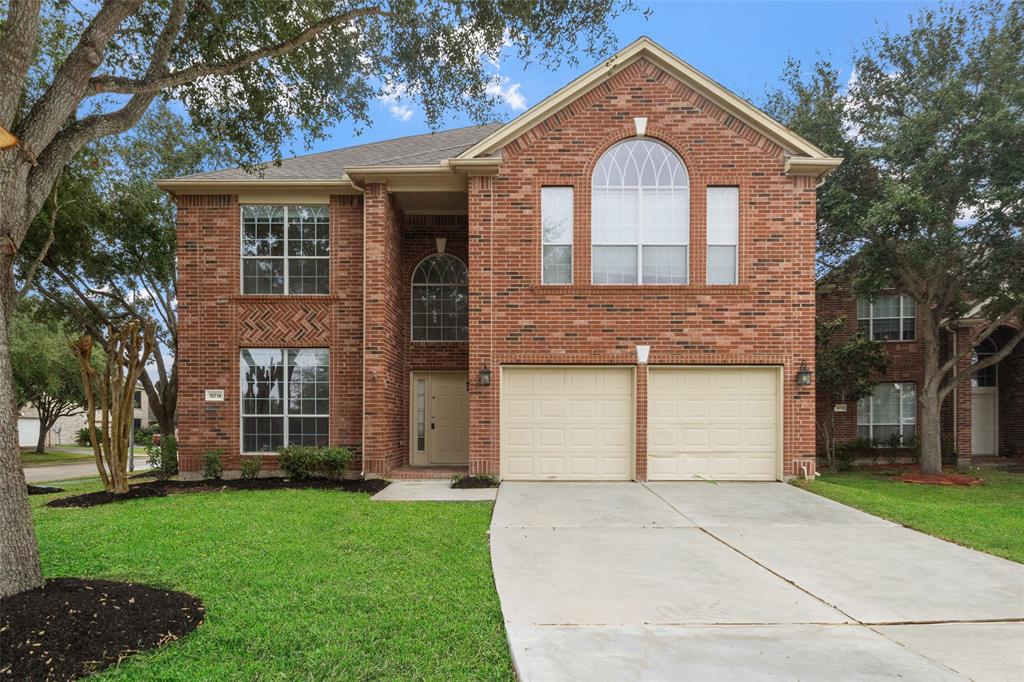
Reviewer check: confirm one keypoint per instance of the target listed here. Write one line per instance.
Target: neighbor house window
(986, 377)
(137, 400)
(640, 215)
(285, 249)
(887, 318)
(440, 299)
(723, 234)
(889, 414)
(556, 234)
(285, 398)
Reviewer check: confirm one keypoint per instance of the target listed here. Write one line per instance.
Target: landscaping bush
(251, 465)
(306, 461)
(82, 437)
(144, 434)
(163, 456)
(213, 467)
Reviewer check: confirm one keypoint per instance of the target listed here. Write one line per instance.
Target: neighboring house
(983, 416)
(618, 284)
(62, 433)
(142, 416)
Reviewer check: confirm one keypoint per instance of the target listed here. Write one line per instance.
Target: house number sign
(215, 395)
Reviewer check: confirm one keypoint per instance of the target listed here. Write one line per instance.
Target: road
(65, 471)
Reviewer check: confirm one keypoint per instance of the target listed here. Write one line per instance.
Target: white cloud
(393, 97)
(508, 93)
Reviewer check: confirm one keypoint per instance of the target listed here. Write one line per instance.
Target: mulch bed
(43, 489)
(71, 627)
(475, 482)
(939, 479)
(164, 488)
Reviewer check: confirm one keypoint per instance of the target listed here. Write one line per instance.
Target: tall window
(285, 249)
(889, 414)
(440, 299)
(887, 318)
(640, 215)
(723, 234)
(988, 376)
(285, 398)
(556, 234)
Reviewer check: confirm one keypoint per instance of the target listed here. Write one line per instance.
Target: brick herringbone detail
(304, 324)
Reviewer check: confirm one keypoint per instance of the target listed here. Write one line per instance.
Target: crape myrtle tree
(249, 73)
(930, 199)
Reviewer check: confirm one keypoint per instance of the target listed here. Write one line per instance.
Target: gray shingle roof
(415, 150)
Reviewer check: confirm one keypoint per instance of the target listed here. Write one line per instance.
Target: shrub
(213, 467)
(144, 435)
(251, 465)
(82, 437)
(306, 461)
(163, 456)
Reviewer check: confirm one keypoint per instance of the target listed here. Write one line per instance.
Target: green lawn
(54, 455)
(298, 584)
(989, 517)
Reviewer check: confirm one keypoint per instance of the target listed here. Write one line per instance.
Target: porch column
(483, 399)
(641, 421)
(962, 400)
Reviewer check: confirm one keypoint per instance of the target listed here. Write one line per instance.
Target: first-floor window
(889, 414)
(285, 398)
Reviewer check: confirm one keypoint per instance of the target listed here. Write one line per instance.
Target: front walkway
(742, 581)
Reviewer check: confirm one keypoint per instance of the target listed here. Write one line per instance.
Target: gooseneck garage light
(803, 375)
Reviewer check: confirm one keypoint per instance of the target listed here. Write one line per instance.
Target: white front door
(984, 420)
(440, 418)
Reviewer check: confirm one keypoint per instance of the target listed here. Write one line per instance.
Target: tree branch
(30, 274)
(993, 359)
(1015, 311)
(17, 45)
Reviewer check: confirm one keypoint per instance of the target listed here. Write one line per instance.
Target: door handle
(431, 424)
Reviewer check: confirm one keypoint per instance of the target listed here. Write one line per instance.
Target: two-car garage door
(577, 423)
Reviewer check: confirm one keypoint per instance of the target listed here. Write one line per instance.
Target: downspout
(362, 355)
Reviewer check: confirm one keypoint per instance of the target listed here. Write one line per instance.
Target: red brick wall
(766, 319)
(215, 322)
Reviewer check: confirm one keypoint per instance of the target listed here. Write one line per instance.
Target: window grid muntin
(905, 424)
(905, 319)
(305, 216)
(275, 417)
(445, 278)
(612, 178)
(554, 196)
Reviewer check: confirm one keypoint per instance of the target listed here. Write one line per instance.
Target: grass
(298, 584)
(987, 517)
(53, 455)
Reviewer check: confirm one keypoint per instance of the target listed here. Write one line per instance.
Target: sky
(742, 45)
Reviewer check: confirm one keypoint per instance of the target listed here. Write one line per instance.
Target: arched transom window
(440, 299)
(640, 215)
(987, 377)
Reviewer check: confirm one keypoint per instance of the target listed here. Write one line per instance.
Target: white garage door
(717, 423)
(28, 432)
(567, 423)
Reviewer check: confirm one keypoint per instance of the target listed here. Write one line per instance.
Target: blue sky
(742, 45)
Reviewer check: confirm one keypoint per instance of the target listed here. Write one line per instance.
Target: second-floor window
(285, 249)
(556, 234)
(723, 234)
(640, 215)
(440, 299)
(887, 318)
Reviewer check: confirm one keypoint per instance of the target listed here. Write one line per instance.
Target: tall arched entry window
(440, 299)
(985, 402)
(640, 215)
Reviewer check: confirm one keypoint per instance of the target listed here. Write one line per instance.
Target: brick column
(483, 400)
(641, 422)
(962, 401)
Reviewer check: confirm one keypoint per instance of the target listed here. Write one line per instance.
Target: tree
(845, 371)
(933, 201)
(249, 73)
(45, 372)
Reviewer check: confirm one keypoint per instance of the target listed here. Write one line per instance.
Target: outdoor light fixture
(485, 377)
(803, 375)
(641, 354)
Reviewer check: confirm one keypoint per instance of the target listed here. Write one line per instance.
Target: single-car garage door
(28, 432)
(567, 423)
(718, 423)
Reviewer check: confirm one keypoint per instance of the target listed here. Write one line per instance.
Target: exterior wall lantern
(641, 354)
(803, 375)
(485, 376)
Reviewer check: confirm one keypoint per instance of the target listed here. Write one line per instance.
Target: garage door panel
(713, 422)
(580, 420)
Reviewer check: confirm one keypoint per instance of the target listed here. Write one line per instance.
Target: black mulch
(164, 488)
(43, 489)
(72, 627)
(475, 482)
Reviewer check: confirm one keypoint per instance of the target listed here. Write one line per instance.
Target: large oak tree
(250, 73)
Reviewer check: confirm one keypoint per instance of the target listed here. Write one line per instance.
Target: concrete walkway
(742, 581)
(432, 491)
(62, 472)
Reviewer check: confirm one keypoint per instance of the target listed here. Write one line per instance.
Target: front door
(984, 411)
(440, 418)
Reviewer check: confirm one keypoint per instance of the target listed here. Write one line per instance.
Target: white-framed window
(556, 234)
(285, 398)
(723, 234)
(440, 299)
(887, 318)
(987, 377)
(640, 215)
(285, 249)
(889, 414)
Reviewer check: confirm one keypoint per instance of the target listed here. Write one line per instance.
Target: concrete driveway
(742, 581)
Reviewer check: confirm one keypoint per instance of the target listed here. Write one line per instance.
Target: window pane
(262, 434)
(308, 231)
(308, 431)
(864, 431)
(886, 434)
(863, 309)
(864, 411)
(421, 415)
(262, 381)
(887, 306)
(723, 216)
(665, 216)
(908, 329)
(262, 231)
(615, 216)
(557, 264)
(556, 215)
(908, 397)
(721, 264)
(308, 275)
(887, 329)
(664, 264)
(262, 275)
(885, 405)
(614, 265)
(308, 388)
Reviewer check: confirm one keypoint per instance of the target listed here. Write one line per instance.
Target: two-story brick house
(618, 284)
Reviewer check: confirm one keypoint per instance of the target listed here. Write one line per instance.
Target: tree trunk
(19, 552)
(931, 409)
(41, 443)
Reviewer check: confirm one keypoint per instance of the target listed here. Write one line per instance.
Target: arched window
(640, 215)
(989, 376)
(440, 299)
